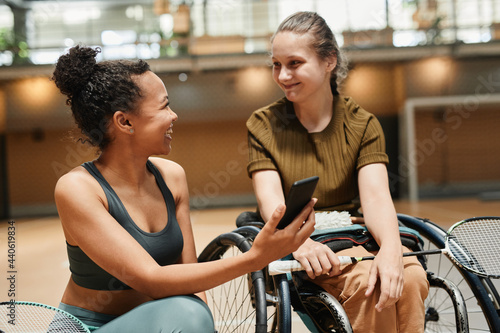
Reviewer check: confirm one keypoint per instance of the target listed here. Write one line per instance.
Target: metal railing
(36, 33)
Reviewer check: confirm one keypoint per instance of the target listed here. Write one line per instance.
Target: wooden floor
(42, 266)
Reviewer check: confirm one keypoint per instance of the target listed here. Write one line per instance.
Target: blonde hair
(324, 42)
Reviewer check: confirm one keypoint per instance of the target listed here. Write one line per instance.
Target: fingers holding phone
(273, 243)
(304, 221)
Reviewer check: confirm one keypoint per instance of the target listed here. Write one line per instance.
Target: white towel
(333, 219)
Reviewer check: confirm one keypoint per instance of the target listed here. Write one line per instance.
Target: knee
(196, 315)
(416, 283)
(357, 281)
(185, 314)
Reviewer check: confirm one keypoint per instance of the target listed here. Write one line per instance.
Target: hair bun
(74, 69)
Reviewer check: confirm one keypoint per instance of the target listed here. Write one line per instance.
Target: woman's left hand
(388, 268)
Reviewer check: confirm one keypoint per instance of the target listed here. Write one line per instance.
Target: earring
(131, 130)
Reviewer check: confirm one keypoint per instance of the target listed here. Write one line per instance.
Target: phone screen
(300, 194)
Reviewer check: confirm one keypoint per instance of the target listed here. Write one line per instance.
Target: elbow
(148, 283)
(156, 290)
(155, 294)
(152, 291)
(162, 281)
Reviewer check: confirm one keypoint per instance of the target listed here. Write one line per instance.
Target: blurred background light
(113, 37)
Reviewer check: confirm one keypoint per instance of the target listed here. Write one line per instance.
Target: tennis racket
(29, 317)
(473, 244)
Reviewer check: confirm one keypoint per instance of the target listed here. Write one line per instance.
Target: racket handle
(287, 266)
(284, 266)
(346, 260)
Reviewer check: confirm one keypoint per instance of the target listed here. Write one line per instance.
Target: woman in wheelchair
(312, 131)
(128, 232)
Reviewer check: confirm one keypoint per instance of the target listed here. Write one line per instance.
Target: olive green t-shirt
(352, 139)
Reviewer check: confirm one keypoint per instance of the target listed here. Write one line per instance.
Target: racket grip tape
(287, 266)
(346, 260)
(284, 266)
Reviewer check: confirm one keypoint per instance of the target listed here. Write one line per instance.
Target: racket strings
(34, 319)
(474, 244)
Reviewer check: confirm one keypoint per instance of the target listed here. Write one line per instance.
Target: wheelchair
(258, 302)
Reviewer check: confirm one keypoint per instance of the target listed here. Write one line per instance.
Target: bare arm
(381, 219)
(180, 190)
(88, 224)
(267, 188)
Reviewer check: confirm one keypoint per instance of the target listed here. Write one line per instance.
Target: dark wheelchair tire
(283, 322)
(240, 305)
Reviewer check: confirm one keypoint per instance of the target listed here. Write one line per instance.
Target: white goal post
(407, 133)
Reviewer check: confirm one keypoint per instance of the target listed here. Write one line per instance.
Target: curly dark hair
(96, 91)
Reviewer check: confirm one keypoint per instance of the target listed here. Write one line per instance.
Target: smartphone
(300, 194)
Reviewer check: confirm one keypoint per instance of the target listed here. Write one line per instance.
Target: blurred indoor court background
(428, 69)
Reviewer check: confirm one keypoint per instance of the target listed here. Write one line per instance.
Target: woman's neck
(120, 167)
(316, 115)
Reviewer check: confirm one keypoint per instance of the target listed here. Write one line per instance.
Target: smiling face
(297, 69)
(154, 119)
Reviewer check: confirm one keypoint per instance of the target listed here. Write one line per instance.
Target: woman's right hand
(273, 244)
(317, 259)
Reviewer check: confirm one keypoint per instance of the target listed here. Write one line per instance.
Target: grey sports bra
(164, 246)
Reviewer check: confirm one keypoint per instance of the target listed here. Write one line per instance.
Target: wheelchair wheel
(325, 312)
(479, 293)
(445, 307)
(249, 303)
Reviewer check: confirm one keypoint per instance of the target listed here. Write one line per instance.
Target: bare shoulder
(78, 196)
(168, 166)
(77, 181)
(173, 173)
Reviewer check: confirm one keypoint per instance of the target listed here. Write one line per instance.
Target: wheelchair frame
(269, 300)
(482, 289)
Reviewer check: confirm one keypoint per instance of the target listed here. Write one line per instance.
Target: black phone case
(300, 194)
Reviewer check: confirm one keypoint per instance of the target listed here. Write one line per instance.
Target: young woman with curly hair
(126, 215)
